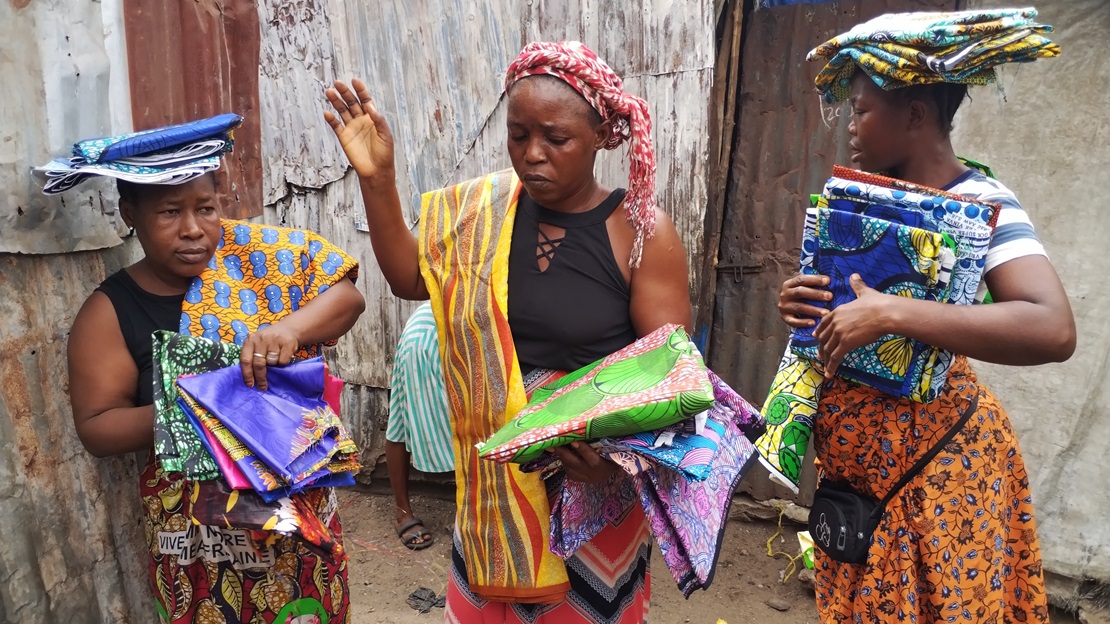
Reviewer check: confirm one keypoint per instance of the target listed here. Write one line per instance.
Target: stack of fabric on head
(902, 239)
(171, 155)
(681, 434)
(902, 49)
(250, 457)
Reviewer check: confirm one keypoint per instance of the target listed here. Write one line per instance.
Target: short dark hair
(946, 96)
(134, 192)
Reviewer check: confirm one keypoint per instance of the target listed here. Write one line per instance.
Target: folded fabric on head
(902, 49)
(169, 155)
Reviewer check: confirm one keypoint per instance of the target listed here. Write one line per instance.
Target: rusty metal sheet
(787, 146)
(190, 59)
(73, 548)
(65, 60)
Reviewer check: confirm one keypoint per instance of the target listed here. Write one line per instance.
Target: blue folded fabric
(156, 140)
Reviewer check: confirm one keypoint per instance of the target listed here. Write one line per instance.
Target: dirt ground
(383, 573)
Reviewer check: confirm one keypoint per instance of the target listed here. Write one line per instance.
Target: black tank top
(140, 314)
(576, 311)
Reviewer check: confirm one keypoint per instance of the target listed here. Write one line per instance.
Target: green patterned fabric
(176, 443)
(653, 383)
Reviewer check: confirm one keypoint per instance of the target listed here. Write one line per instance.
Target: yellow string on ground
(792, 563)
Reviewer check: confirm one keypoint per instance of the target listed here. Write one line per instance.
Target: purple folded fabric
(289, 426)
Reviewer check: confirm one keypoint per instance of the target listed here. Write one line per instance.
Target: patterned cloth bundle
(901, 49)
(170, 155)
(902, 239)
(684, 486)
(679, 433)
(209, 424)
(658, 381)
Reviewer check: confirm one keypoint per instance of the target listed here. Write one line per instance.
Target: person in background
(419, 429)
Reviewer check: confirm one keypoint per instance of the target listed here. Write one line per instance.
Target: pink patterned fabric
(333, 390)
(580, 67)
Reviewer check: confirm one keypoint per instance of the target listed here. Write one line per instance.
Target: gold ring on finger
(260, 356)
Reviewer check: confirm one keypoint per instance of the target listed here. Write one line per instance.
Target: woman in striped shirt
(419, 427)
(959, 540)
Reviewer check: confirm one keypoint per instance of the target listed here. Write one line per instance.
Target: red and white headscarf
(580, 67)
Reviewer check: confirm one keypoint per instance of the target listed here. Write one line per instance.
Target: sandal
(410, 539)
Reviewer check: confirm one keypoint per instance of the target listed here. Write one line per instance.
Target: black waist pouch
(842, 521)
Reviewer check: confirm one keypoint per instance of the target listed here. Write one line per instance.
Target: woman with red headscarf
(530, 271)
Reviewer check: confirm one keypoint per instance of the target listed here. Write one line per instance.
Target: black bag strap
(928, 457)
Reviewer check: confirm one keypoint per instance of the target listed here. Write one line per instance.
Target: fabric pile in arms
(684, 486)
(679, 433)
(901, 49)
(253, 460)
(171, 155)
(902, 239)
(657, 381)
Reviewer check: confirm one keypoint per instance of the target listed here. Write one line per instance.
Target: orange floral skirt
(958, 543)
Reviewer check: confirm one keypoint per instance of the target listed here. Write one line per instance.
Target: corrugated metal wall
(72, 550)
(63, 68)
(191, 59)
(787, 145)
(1045, 133)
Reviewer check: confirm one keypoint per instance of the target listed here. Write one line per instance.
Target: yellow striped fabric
(503, 514)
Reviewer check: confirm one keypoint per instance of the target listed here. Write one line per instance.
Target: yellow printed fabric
(902, 49)
(503, 514)
(790, 411)
(258, 275)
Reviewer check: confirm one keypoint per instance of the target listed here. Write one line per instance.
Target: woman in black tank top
(584, 279)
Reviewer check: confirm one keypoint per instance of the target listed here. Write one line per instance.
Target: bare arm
(102, 382)
(1029, 323)
(661, 284)
(368, 143)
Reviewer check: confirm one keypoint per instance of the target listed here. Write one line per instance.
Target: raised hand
(362, 131)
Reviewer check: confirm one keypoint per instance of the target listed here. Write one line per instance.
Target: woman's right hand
(796, 291)
(361, 129)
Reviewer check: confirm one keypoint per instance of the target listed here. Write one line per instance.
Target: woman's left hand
(582, 463)
(271, 346)
(853, 325)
